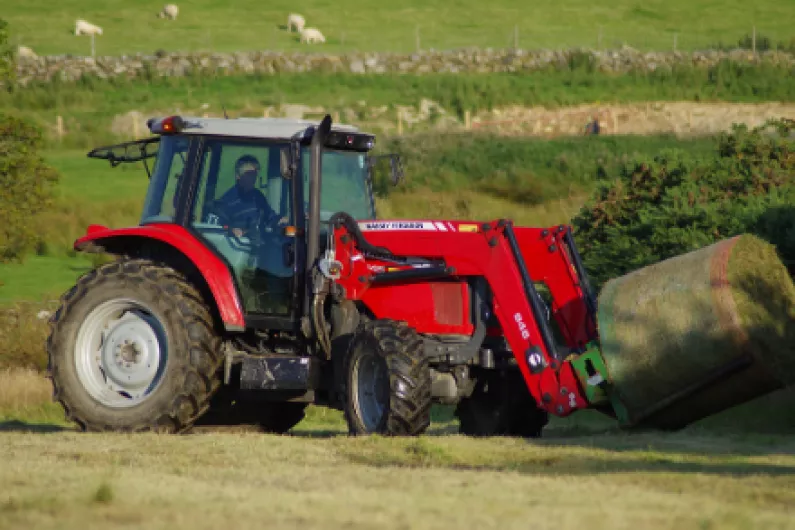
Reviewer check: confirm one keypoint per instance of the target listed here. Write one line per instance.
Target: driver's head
(246, 172)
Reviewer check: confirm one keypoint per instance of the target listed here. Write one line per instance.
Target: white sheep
(25, 52)
(312, 35)
(295, 21)
(169, 11)
(86, 28)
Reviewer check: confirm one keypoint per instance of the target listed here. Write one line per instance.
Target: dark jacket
(239, 209)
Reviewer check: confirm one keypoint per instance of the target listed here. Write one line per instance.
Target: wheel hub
(130, 353)
(120, 353)
(372, 394)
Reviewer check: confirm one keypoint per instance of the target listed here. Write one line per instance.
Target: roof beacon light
(169, 125)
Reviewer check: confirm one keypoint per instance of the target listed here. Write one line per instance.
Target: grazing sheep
(169, 11)
(86, 28)
(25, 52)
(312, 35)
(295, 21)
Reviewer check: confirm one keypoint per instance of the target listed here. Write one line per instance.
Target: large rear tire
(501, 405)
(133, 348)
(387, 381)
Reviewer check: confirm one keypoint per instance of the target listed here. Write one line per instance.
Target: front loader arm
(393, 251)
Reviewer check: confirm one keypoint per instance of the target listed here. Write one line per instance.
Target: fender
(214, 271)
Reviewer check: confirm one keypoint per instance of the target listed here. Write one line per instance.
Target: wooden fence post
(59, 126)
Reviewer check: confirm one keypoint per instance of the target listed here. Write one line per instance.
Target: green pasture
(128, 28)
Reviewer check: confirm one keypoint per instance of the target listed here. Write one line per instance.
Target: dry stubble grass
(51, 477)
(68, 480)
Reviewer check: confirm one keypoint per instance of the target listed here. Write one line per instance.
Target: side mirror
(396, 172)
(284, 163)
(396, 169)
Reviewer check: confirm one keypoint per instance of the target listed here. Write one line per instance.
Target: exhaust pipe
(315, 170)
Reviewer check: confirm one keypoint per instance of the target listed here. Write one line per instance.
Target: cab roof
(268, 128)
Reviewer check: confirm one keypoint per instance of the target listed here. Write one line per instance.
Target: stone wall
(680, 118)
(71, 68)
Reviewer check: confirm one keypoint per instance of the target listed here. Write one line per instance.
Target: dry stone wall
(681, 118)
(71, 68)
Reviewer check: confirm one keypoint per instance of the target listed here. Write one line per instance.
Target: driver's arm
(269, 215)
(217, 213)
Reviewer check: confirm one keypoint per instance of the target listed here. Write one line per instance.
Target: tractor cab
(241, 186)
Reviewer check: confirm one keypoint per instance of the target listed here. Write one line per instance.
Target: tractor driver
(242, 206)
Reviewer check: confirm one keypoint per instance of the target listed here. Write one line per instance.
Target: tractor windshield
(160, 204)
(345, 184)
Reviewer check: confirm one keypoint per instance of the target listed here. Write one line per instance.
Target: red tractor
(260, 280)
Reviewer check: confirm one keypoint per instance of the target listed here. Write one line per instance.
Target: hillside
(352, 25)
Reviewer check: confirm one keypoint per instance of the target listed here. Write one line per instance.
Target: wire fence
(424, 38)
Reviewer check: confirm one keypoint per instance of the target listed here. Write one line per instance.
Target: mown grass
(350, 25)
(695, 478)
(88, 106)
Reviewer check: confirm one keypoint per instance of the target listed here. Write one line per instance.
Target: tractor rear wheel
(387, 381)
(133, 348)
(501, 406)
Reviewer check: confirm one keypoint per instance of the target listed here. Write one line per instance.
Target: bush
(23, 333)
(671, 205)
(8, 69)
(26, 184)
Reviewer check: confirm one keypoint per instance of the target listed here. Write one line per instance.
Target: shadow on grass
(33, 428)
(424, 453)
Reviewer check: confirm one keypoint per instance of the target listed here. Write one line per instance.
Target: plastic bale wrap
(696, 334)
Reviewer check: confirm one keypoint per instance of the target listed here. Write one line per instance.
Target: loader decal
(522, 326)
(398, 225)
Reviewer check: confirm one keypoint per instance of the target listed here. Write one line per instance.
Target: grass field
(318, 477)
(352, 25)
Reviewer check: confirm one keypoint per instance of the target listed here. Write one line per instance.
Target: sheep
(169, 11)
(86, 28)
(25, 52)
(312, 35)
(295, 21)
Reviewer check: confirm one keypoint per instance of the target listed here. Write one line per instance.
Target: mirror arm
(146, 167)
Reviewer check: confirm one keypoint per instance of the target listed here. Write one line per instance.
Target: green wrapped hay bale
(696, 334)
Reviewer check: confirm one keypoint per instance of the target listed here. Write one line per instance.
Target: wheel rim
(371, 398)
(120, 353)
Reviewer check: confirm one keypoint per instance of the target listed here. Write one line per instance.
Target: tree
(26, 185)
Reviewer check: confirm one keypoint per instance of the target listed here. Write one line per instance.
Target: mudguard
(212, 268)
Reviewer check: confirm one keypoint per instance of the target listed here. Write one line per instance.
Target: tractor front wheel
(133, 348)
(501, 405)
(387, 381)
